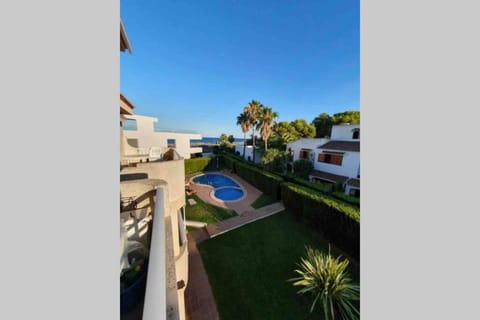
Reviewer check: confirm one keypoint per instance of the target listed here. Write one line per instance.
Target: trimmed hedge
(317, 186)
(263, 180)
(346, 198)
(336, 221)
(197, 164)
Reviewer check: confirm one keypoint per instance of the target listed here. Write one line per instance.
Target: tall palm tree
(266, 119)
(244, 122)
(253, 109)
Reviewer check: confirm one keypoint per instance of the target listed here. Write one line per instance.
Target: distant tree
(352, 117)
(253, 109)
(323, 125)
(266, 119)
(282, 133)
(244, 122)
(274, 160)
(231, 138)
(223, 137)
(304, 129)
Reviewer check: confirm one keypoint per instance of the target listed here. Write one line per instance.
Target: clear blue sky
(196, 64)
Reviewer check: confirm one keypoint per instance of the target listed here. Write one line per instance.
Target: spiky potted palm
(327, 279)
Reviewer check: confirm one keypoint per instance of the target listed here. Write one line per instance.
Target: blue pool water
(228, 194)
(225, 188)
(215, 180)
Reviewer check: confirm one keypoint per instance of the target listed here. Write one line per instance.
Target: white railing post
(155, 292)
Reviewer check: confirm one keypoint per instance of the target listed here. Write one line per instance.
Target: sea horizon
(213, 140)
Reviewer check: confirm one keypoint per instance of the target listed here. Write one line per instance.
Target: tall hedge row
(197, 164)
(264, 181)
(338, 222)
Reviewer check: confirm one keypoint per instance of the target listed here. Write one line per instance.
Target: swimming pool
(215, 180)
(224, 188)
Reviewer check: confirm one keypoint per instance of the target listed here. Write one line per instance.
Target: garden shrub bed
(263, 180)
(198, 164)
(336, 221)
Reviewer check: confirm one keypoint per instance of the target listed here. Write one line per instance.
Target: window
(130, 125)
(331, 158)
(356, 134)
(304, 154)
(171, 143)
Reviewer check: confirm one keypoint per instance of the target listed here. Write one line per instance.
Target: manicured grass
(262, 201)
(248, 269)
(205, 212)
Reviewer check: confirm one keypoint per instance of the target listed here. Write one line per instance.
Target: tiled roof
(342, 145)
(328, 176)
(354, 183)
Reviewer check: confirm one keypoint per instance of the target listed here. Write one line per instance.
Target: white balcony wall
(147, 137)
(344, 132)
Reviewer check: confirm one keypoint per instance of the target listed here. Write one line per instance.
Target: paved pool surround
(239, 206)
(238, 186)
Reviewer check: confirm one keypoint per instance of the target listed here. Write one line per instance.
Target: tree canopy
(324, 122)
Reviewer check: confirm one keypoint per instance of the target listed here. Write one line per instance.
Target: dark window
(304, 154)
(130, 125)
(335, 159)
(171, 143)
(356, 134)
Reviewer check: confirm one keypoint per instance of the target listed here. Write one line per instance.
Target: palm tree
(266, 119)
(244, 123)
(253, 109)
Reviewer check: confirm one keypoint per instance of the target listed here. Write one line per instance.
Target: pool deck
(241, 206)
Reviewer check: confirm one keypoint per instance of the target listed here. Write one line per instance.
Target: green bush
(336, 221)
(302, 168)
(328, 281)
(348, 199)
(324, 187)
(261, 179)
(197, 164)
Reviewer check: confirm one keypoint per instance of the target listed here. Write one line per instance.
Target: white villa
(152, 211)
(141, 134)
(334, 160)
(249, 153)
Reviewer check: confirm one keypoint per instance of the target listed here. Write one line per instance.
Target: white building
(334, 160)
(249, 153)
(152, 211)
(140, 133)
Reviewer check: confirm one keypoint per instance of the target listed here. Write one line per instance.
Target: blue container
(131, 296)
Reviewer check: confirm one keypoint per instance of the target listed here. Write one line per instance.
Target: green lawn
(248, 269)
(262, 201)
(205, 212)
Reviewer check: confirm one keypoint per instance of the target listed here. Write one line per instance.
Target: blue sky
(196, 64)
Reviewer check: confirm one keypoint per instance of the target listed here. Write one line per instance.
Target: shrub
(274, 160)
(302, 168)
(348, 199)
(327, 279)
(337, 221)
(264, 181)
(197, 164)
(324, 187)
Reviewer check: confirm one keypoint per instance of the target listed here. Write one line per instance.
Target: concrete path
(199, 300)
(246, 217)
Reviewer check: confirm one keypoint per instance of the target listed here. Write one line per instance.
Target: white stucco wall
(344, 132)
(248, 153)
(305, 143)
(147, 137)
(349, 167)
